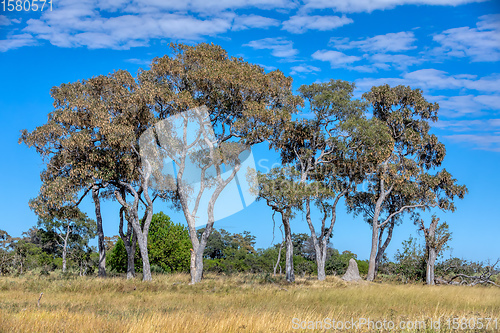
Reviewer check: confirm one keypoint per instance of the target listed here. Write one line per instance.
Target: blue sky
(448, 48)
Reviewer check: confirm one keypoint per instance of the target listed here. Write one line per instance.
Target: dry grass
(243, 303)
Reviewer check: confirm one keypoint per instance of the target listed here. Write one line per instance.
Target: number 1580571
(25, 5)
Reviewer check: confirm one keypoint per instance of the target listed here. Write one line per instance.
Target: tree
(242, 102)
(282, 194)
(75, 228)
(328, 149)
(91, 142)
(405, 114)
(117, 258)
(5, 253)
(436, 237)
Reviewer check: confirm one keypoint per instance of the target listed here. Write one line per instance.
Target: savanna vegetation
(112, 137)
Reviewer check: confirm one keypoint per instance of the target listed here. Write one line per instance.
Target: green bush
(362, 266)
(168, 248)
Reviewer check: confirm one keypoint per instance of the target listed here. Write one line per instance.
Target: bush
(168, 248)
(362, 266)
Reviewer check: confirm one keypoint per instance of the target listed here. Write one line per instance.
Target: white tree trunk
(431, 260)
(290, 276)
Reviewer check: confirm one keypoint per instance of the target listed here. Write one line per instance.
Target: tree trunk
(131, 256)
(383, 246)
(100, 232)
(143, 247)
(290, 276)
(129, 240)
(278, 261)
(373, 252)
(375, 230)
(198, 271)
(321, 261)
(65, 248)
(140, 227)
(430, 265)
(64, 252)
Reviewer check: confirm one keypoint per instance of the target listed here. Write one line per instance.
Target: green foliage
(168, 248)
(228, 253)
(303, 265)
(116, 259)
(168, 244)
(338, 263)
(410, 261)
(362, 266)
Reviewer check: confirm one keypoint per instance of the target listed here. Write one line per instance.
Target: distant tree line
(40, 251)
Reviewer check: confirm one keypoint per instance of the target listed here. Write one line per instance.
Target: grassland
(242, 303)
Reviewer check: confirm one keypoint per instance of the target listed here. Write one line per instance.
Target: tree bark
(321, 261)
(317, 246)
(374, 248)
(143, 247)
(383, 246)
(430, 266)
(290, 276)
(430, 244)
(130, 242)
(100, 232)
(131, 257)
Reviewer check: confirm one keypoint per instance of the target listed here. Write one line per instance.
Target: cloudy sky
(448, 48)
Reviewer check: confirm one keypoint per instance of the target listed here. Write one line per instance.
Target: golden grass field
(240, 303)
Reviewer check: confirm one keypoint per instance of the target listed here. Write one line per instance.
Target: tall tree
(91, 142)
(327, 148)
(242, 101)
(283, 195)
(405, 114)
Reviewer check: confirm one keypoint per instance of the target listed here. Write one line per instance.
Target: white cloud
(398, 61)
(433, 79)
(4, 20)
(16, 41)
(81, 28)
(468, 105)
(391, 42)
(122, 24)
(280, 47)
(368, 6)
(478, 141)
(243, 22)
(454, 92)
(267, 68)
(480, 44)
(193, 6)
(475, 125)
(304, 69)
(335, 58)
(301, 23)
(383, 52)
(138, 61)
